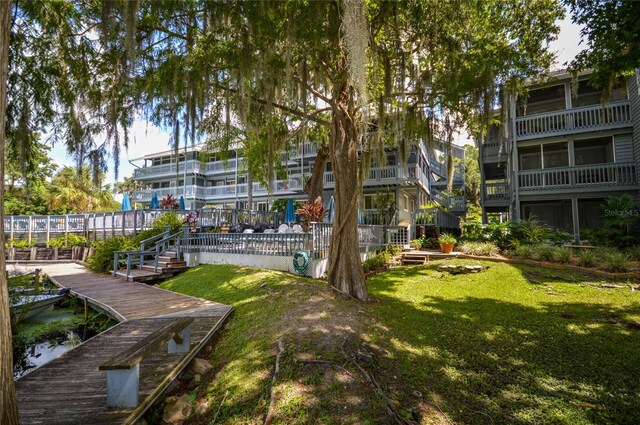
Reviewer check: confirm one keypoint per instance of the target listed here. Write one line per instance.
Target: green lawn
(512, 344)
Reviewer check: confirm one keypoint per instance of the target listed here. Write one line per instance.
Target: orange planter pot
(446, 247)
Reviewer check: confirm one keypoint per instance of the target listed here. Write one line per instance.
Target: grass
(512, 344)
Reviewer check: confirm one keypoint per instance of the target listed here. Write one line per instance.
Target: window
(406, 202)
(530, 158)
(370, 202)
(542, 100)
(556, 213)
(593, 151)
(587, 95)
(555, 155)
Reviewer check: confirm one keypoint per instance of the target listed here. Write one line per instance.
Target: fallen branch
(377, 388)
(272, 401)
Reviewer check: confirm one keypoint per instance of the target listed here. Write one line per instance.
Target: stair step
(167, 258)
(164, 267)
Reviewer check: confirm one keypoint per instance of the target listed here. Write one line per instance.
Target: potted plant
(312, 212)
(447, 242)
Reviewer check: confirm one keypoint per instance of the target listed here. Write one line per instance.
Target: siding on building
(624, 147)
(634, 98)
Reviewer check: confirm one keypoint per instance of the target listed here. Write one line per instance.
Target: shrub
(19, 243)
(429, 243)
(393, 250)
(616, 262)
(562, 255)
(167, 219)
(68, 241)
(312, 212)
(523, 251)
(416, 243)
(543, 252)
(102, 259)
(633, 253)
(376, 262)
(473, 231)
(587, 257)
(486, 249)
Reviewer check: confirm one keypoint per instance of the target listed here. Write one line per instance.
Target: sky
(147, 138)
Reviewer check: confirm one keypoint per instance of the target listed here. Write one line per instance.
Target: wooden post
(30, 223)
(48, 229)
(86, 310)
(113, 224)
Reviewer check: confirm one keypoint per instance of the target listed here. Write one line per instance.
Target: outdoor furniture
(297, 229)
(284, 228)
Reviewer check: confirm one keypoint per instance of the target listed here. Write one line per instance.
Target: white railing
(193, 166)
(279, 187)
(611, 115)
(389, 174)
(221, 166)
(281, 244)
(596, 175)
(189, 192)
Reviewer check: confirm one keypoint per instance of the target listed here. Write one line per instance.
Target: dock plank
(71, 389)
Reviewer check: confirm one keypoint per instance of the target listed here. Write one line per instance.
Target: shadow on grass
(486, 359)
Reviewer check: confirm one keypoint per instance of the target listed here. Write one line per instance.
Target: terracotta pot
(446, 247)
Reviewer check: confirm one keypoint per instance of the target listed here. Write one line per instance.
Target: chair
(247, 231)
(297, 229)
(284, 228)
(269, 231)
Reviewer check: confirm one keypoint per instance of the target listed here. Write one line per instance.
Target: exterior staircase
(162, 261)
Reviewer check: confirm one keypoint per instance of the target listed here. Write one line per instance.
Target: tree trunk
(345, 267)
(315, 185)
(8, 404)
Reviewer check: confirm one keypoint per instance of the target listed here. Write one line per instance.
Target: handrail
(154, 238)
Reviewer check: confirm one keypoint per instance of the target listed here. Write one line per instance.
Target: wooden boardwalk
(71, 389)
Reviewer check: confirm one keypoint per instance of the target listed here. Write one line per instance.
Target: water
(36, 355)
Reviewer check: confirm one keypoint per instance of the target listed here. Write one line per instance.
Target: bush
(543, 252)
(523, 251)
(167, 219)
(473, 231)
(633, 253)
(486, 249)
(68, 242)
(102, 259)
(19, 243)
(393, 250)
(416, 243)
(447, 238)
(376, 262)
(616, 261)
(562, 255)
(425, 243)
(587, 257)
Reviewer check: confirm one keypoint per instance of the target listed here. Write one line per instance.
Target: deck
(71, 389)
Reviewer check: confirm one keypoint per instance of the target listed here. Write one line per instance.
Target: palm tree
(75, 192)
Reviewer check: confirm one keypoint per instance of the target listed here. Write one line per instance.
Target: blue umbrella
(126, 204)
(181, 206)
(332, 211)
(155, 204)
(289, 213)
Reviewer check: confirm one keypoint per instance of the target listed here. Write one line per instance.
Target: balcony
(290, 186)
(221, 167)
(190, 192)
(497, 191)
(390, 175)
(572, 121)
(166, 170)
(585, 177)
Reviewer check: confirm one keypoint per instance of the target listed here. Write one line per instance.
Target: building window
(542, 100)
(593, 151)
(370, 202)
(555, 214)
(406, 202)
(530, 158)
(588, 96)
(555, 155)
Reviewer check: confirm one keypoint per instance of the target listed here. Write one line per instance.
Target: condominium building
(223, 183)
(562, 151)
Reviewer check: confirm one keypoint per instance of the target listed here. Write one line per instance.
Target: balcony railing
(279, 187)
(190, 192)
(215, 167)
(576, 120)
(596, 175)
(154, 171)
(386, 175)
(497, 191)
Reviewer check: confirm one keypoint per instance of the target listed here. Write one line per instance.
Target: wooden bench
(123, 370)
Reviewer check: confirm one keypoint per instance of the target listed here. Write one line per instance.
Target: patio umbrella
(155, 204)
(289, 213)
(332, 210)
(181, 206)
(126, 204)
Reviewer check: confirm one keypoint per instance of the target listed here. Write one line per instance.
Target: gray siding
(624, 147)
(634, 98)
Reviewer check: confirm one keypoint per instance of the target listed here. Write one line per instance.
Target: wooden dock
(71, 389)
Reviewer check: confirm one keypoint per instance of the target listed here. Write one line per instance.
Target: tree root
(377, 388)
(272, 401)
(327, 363)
